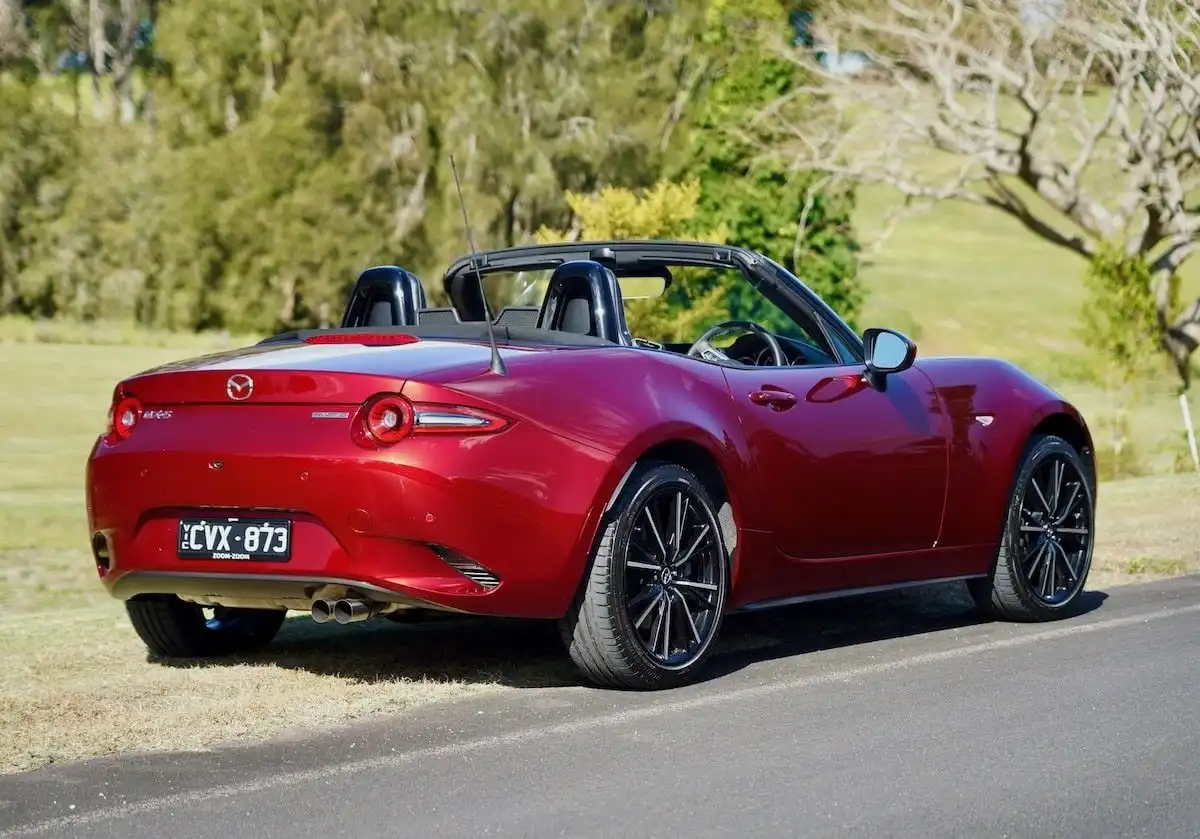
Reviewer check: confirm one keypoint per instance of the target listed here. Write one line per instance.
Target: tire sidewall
(642, 486)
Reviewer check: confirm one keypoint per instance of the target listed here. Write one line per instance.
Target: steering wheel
(703, 347)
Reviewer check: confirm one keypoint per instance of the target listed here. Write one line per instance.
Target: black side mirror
(887, 351)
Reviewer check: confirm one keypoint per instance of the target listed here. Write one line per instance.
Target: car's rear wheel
(1046, 548)
(174, 628)
(652, 604)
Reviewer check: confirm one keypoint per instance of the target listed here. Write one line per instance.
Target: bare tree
(1078, 118)
(13, 38)
(124, 56)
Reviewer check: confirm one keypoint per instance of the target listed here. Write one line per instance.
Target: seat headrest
(385, 295)
(583, 297)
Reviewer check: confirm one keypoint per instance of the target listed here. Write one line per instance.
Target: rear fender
(729, 456)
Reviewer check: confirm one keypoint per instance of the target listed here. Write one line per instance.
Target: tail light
(123, 417)
(388, 418)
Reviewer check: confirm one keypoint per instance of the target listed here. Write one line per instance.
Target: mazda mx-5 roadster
(539, 460)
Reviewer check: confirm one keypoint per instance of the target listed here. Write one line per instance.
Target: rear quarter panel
(993, 408)
(620, 401)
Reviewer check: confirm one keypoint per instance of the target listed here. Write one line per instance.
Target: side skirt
(762, 605)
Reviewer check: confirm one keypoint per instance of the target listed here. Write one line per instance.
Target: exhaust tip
(101, 554)
(322, 611)
(350, 611)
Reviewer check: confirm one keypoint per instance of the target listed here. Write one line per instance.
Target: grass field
(78, 680)
(960, 280)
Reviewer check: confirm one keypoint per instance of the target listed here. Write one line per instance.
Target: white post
(1191, 430)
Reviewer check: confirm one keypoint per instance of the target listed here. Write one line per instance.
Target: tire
(618, 614)
(1038, 524)
(174, 628)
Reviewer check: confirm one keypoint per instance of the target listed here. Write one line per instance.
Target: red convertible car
(547, 463)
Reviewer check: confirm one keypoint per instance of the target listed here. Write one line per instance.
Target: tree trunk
(98, 46)
(1181, 339)
(123, 61)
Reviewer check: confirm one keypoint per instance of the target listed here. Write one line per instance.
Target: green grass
(964, 280)
(66, 642)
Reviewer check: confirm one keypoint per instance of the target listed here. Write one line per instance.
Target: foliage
(1119, 317)
(668, 211)
(223, 165)
(754, 198)
(37, 151)
(1079, 122)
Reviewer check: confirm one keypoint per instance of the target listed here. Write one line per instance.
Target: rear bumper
(491, 526)
(258, 589)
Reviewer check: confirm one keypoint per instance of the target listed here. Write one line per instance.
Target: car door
(845, 468)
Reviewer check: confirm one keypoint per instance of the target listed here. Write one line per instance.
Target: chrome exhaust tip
(322, 611)
(351, 611)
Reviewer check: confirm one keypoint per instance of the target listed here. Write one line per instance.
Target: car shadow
(530, 654)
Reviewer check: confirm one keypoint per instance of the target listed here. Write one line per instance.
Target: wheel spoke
(1066, 561)
(1048, 576)
(645, 566)
(668, 607)
(700, 598)
(696, 584)
(688, 553)
(657, 535)
(1033, 483)
(1070, 505)
(680, 512)
(1031, 528)
(658, 623)
(642, 617)
(1074, 531)
(1057, 468)
(691, 622)
(1037, 558)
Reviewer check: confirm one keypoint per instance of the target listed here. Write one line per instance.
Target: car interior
(582, 305)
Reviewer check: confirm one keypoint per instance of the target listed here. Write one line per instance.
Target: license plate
(263, 540)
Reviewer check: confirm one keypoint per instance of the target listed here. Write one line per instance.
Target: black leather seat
(583, 297)
(385, 295)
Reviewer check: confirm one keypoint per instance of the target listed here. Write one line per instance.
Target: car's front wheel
(652, 604)
(1046, 548)
(174, 628)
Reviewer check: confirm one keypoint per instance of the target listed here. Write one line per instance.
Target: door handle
(777, 400)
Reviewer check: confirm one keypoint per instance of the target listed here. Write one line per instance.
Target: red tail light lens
(387, 419)
(123, 417)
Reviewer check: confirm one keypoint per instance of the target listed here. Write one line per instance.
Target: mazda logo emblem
(239, 387)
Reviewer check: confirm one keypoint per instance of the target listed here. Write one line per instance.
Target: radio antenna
(497, 362)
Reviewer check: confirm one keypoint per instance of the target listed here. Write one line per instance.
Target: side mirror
(887, 352)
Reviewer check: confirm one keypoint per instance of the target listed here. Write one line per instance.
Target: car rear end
(306, 474)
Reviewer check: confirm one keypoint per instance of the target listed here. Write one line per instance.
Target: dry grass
(79, 683)
(1147, 528)
(78, 680)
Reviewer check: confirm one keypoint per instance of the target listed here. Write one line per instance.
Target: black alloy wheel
(1046, 550)
(673, 576)
(654, 598)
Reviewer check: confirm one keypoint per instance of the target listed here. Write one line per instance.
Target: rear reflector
(365, 339)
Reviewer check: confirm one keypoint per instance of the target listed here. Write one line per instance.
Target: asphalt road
(1089, 727)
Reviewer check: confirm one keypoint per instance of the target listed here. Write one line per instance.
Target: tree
(666, 211)
(1079, 119)
(760, 204)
